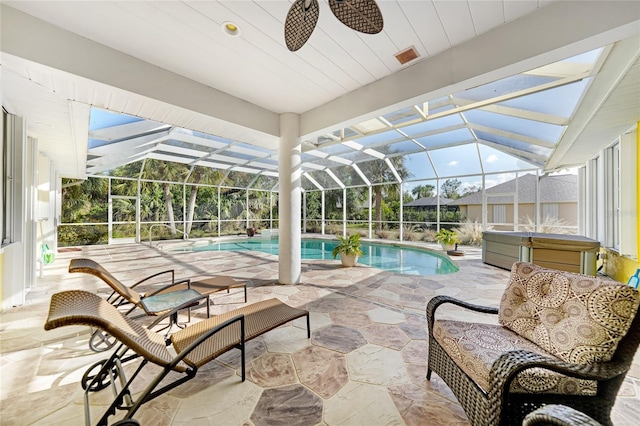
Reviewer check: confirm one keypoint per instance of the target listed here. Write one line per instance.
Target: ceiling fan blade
(360, 15)
(300, 23)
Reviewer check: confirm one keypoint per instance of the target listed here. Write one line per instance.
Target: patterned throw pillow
(578, 318)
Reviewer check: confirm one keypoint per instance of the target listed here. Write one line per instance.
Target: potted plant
(348, 249)
(446, 238)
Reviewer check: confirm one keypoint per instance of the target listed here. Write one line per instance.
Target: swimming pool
(394, 258)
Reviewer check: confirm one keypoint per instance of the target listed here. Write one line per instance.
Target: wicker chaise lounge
(563, 338)
(194, 345)
(164, 301)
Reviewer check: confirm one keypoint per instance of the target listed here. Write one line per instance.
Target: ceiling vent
(407, 55)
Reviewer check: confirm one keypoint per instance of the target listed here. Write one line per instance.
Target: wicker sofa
(560, 338)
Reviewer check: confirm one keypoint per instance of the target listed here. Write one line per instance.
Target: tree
(378, 171)
(423, 191)
(166, 172)
(201, 175)
(451, 189)
(470, 190)
(84, 201)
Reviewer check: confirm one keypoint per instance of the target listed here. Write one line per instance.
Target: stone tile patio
(364, 365)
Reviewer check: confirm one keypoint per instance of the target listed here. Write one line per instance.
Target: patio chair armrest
(505, 369)
(168, 271)
(559, 415)
(164, 288)
(437, 301)
(116, 299)
(206, 335)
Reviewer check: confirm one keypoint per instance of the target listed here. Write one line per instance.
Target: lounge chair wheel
(127, 422)
(101, 341)
(91, 373)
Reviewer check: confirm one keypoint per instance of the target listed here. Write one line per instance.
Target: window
(612, 214)
(3, 188)
(13, 135)
(549, 212)
(593, 199)
(610, 196)
(499, 213)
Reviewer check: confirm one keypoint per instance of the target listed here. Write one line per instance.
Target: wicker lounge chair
(194, 346)
(563, 338)
(162, 302)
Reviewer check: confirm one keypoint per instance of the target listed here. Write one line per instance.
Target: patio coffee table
(209, 286)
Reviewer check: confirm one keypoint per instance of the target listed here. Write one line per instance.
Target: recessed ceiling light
(230, 29)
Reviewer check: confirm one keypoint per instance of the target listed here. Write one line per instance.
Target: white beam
(578, 26)
(33, 39)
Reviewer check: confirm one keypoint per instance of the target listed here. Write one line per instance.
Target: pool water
(399, 259)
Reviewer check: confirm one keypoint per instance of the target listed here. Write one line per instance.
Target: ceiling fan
(360, 15)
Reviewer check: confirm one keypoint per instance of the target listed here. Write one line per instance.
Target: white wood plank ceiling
(170, 61)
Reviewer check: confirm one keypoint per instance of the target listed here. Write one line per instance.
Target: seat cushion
(578, 318)
(474, 347)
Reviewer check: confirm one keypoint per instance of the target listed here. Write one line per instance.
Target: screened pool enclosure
(149, 180)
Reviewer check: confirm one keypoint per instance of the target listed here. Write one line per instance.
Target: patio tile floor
(365, 362)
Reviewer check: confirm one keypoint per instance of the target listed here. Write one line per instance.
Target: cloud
(453, 163)
(492, 158)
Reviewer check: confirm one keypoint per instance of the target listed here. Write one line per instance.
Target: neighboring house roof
(428, 202)
(553, 189)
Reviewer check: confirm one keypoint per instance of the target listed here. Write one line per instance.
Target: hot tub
(571, 253)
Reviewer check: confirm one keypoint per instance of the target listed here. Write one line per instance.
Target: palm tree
(84, 202)
(166, 172)
(423, 191)
(378, 171)
(200, 175)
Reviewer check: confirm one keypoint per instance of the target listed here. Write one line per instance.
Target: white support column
(401, 213)
(247, 208)
(484, 202)
(538, 206)
(219, 211)
(289, 202)
(344, 212)
(138, 195)
(304, 212)
(370, 214)
(184, 210)
(322, 210)
(271, 210)
(516, 203)
(109, 213)
(438, 205)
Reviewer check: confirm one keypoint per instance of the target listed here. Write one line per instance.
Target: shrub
(429, 235)
(410, 232)
(548, 226)
(470, 233)
(384, 235)
(333, 230)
